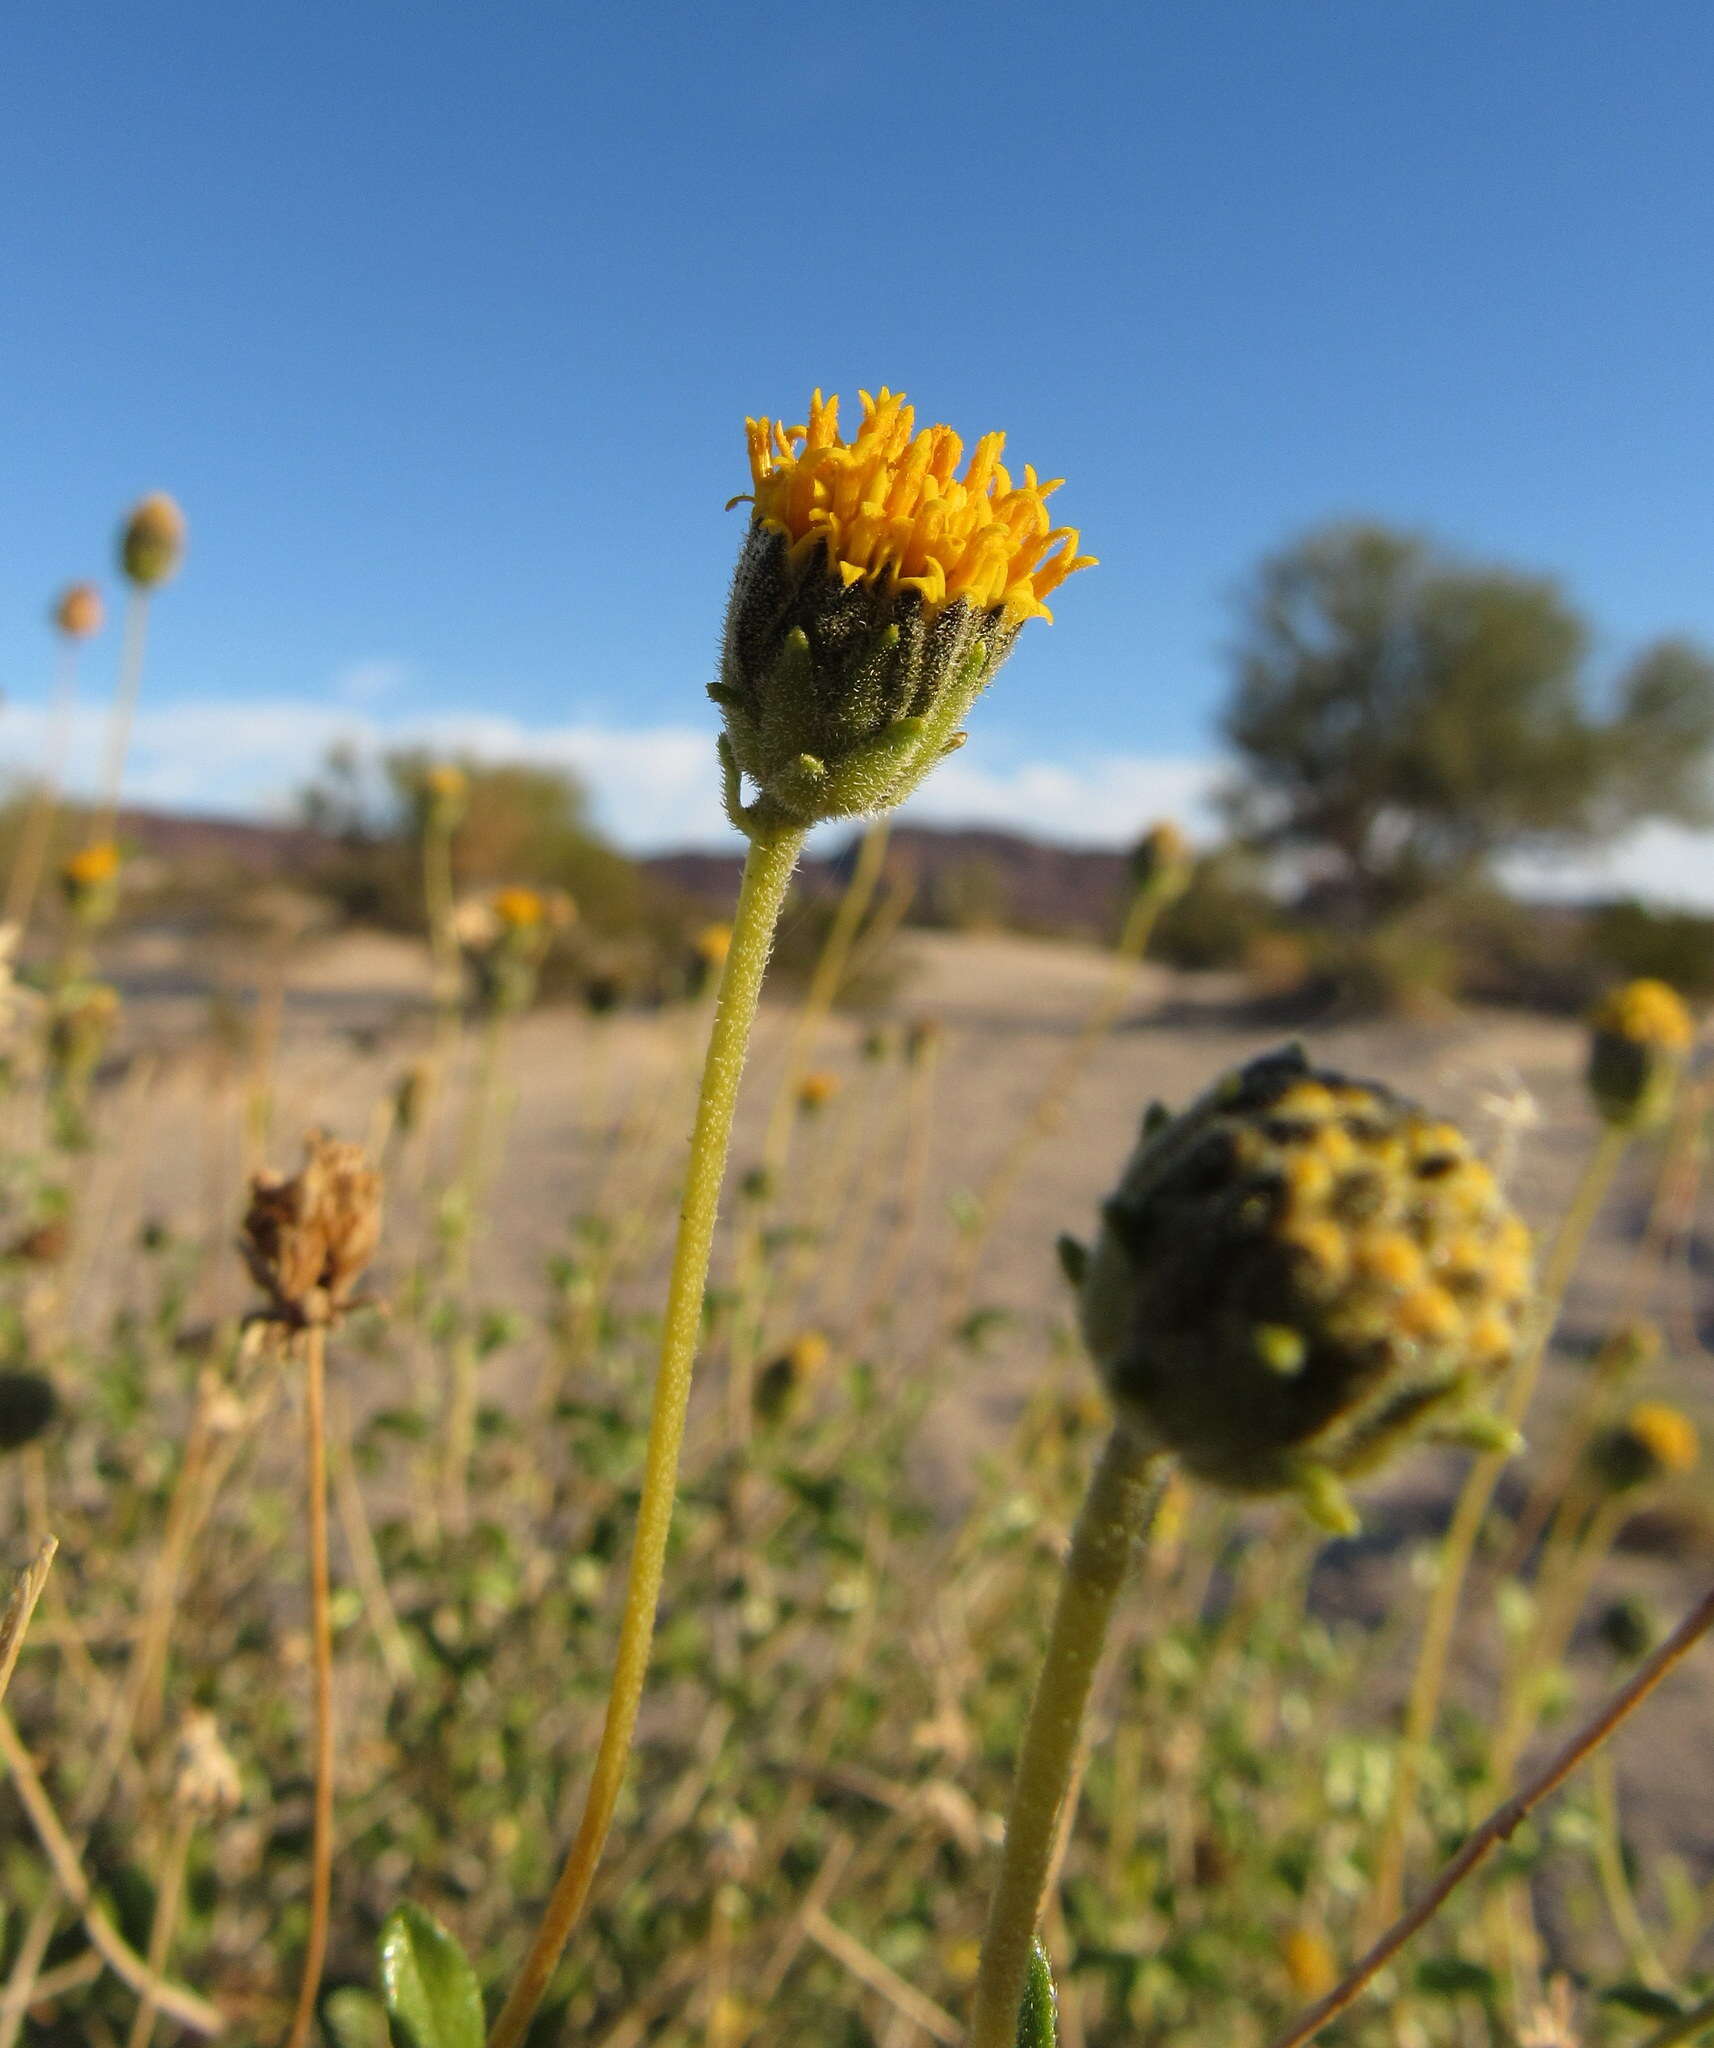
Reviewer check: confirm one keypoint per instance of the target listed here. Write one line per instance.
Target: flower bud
(1628, 1628)
(151, 544)
(1161, 862)
(442, 796)
(781, 1382)
(1630, 1349)
(78, 615)
(28, 1405)
(79, 1026)
(876, 594)
(816, 1090)
(1653, 1442)
(308, 1239)
(1639, 1036)
(1296, 1275)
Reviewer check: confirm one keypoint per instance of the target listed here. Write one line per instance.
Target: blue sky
(441, 322)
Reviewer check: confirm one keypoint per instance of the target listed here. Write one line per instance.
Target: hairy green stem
(767, 875)
(1115, 1517)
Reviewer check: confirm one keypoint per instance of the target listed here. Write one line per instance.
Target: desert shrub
(1631, 940)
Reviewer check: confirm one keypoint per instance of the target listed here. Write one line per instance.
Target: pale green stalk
(1113, 1521)
(767, 875)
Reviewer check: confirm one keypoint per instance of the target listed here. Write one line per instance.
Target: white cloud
(656, 786)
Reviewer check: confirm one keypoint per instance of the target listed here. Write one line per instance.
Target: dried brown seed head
(307, 1240)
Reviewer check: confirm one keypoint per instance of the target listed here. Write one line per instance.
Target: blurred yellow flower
(817, 1090)
(1667, 1433)
(79, 611)
(519, 909)
(713, 943)
(1309, 1961)
(94, 865)
(1646, 1013)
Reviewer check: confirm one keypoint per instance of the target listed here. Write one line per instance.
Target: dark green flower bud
(1297, 1274)
(1653, 1442)
(876, 594)
(1639, 1037)
(1161, 861)
(151, 543)
(1628, 1628)
(27, 1406)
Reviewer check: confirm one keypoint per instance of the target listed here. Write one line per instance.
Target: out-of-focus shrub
(1219, 918)
(1633, 942)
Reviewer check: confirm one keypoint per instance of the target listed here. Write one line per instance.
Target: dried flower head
(205, 1775)
(151, 543)
(1297, 1274)
(308, 1239)
(1639, 1036)
(877, 592)
(79, 613)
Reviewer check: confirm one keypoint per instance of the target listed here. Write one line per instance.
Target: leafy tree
(1405, 716)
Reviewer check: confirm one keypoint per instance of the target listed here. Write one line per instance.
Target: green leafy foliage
(433, 1998)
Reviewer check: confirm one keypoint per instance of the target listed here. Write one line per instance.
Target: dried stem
(123, 1960)
(1504, 1822)
(321, 1630)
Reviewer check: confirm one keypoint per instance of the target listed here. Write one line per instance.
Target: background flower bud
(151, 543)
(1297, 1274)
(1639, 1036)
(79, 613)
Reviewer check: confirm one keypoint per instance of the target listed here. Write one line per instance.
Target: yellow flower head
(817, 1090)
(713, 943)
(93, 866)
(889, 506)
(1309, 1961)
(446, 782)
(1667, 1433)
(519, 910)
(1646, 1013)
(879, 588)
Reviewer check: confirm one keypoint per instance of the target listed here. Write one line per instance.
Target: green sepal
(1324, 1500)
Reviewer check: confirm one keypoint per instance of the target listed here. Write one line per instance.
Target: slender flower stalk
(151, 546)
(1111, 1526)
(876, 594)
(767, 876)
(78, 615)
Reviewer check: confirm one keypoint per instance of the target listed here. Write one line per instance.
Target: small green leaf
(432, 1994)
(1038, 2016)
(356, 2019)
(1455, 1977)
(1643, 2000)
